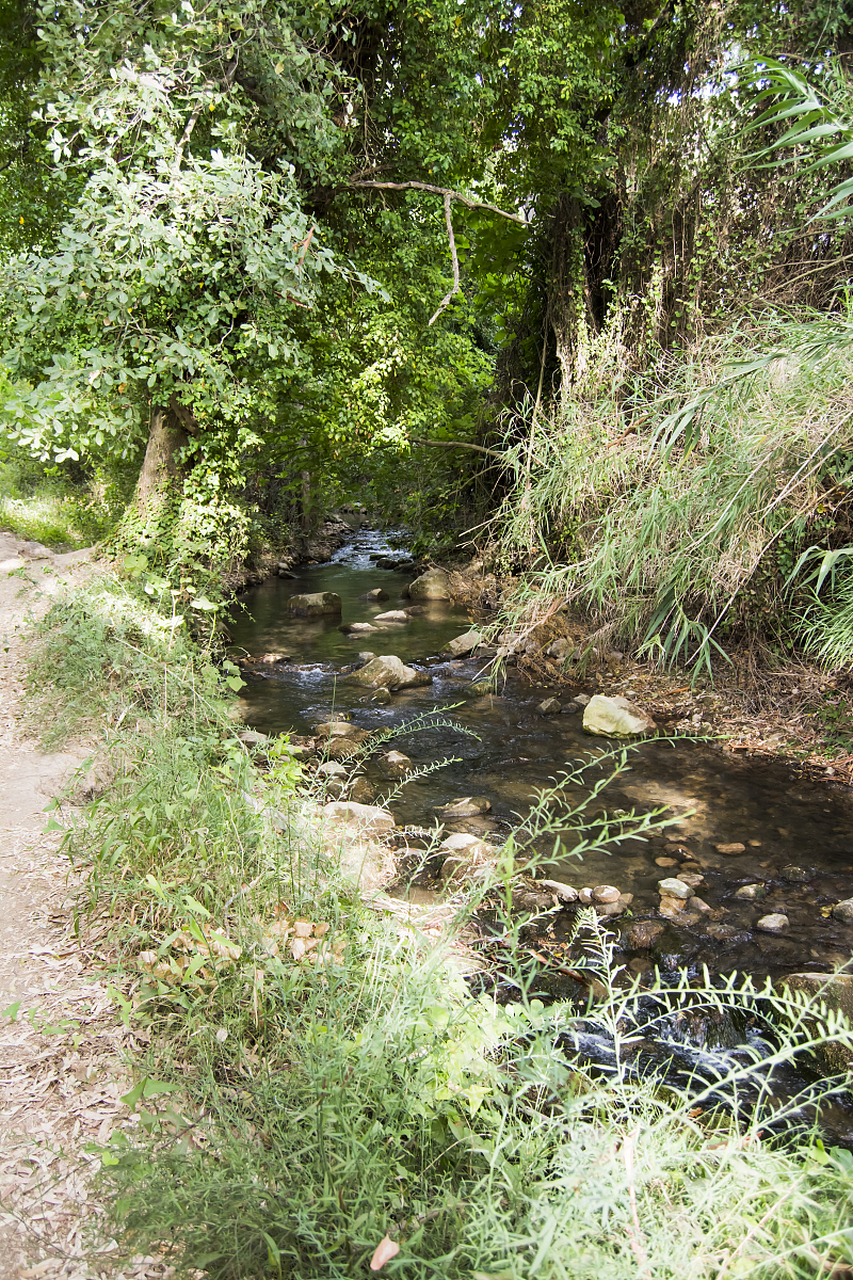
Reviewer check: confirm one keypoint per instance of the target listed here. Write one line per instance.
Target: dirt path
(62, 1046)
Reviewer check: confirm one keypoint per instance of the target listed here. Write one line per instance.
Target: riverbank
(283, 1034)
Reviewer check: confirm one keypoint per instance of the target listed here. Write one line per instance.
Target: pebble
(749, 892)
(774, 923)
(585, 897)
(699, 904)
(691, 878)
(550, 707)
(731, 849)
(666, 862)
(605, 893)
(673, 888)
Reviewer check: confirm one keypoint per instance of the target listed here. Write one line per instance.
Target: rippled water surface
(799, 844)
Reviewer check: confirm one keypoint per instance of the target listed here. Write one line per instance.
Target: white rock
(432, 585)
(564, 892)
(774, 923)
(387, 671)
(615, 718)
(673, 888)
(464, 807)
(843, 911)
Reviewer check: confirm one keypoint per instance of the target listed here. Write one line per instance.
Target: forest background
(546, 278)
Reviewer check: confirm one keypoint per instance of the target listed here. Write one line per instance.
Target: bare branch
(186, 135)
(440, 191)
(458, 444)
(445, 302)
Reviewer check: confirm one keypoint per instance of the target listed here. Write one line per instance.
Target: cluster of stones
(606, 898)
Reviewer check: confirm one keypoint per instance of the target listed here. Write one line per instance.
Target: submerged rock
(616, 718)
(550, 707)
(432, 585)
(390, 672)
(376, 594)
(317, 604)
(393, 615)
(464, 807)
(644, 934)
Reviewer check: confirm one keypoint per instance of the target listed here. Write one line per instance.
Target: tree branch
(447, 192)
(445, 302)
(458, 444)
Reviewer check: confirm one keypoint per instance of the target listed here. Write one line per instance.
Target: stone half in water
(389, 672)
(616, 718)
(317, 604)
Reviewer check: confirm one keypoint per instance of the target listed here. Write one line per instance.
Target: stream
(796, 834)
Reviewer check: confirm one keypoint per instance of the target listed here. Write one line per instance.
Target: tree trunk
(160, 469)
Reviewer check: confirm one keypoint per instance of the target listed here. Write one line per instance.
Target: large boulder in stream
(827, 993)
(616, 718)
(432, 585)
(464, 644)
(388, 672)
(317, 604)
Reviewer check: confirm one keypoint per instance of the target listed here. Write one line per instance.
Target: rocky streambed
(382, 676)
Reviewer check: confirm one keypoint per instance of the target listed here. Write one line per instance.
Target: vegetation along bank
(562, 292)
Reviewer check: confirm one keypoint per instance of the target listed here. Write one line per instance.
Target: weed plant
(681, 530)
(320, 1076)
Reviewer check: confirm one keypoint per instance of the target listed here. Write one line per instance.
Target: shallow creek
(797, 834)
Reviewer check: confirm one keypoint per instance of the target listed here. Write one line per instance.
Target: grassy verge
(319, 1079)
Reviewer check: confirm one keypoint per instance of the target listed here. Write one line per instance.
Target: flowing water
(797, 834)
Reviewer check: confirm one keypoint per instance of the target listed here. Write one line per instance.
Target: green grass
(297, 1106)
(55, 510)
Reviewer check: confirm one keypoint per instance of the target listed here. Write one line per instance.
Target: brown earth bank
(761, 705)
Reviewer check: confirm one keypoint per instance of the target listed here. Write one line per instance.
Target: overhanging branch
(447, 192)
(458, 444)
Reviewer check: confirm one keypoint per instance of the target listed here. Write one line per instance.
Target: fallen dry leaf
(384, 1252)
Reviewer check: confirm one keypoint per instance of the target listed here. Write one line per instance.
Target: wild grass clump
(313, 1113)
(104, 656)
(676, 519)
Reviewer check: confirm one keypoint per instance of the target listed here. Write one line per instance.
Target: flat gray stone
(773, 923)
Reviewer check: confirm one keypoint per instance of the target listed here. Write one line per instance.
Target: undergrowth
(320, 1077)
(682, 527)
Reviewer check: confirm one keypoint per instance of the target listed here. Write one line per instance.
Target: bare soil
(63, 1047)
